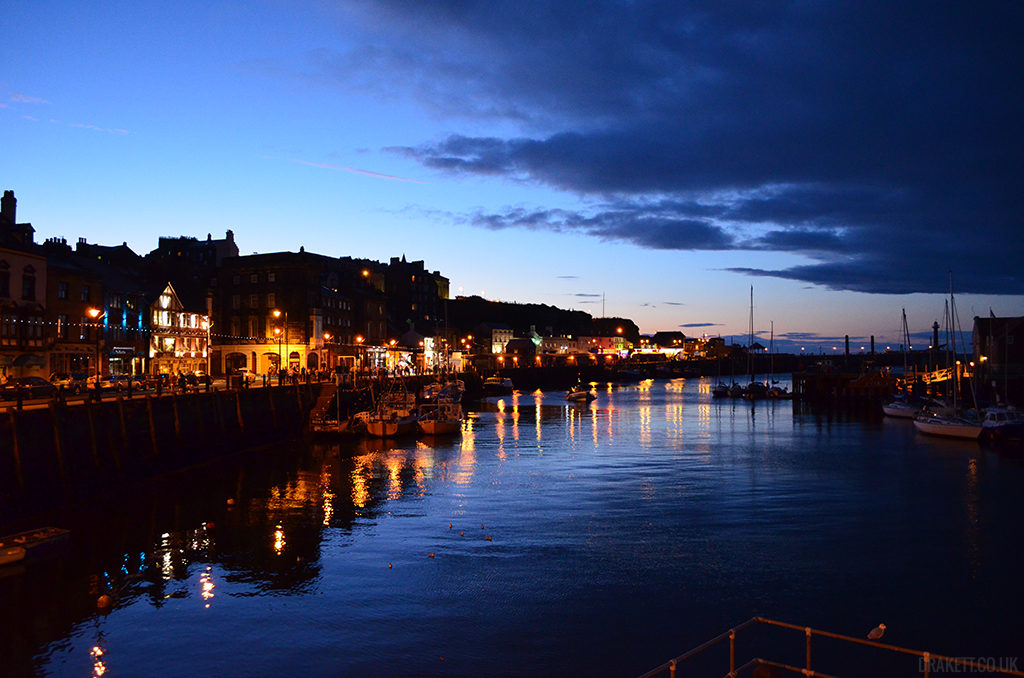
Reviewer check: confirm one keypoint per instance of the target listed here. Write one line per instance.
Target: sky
(649, 160)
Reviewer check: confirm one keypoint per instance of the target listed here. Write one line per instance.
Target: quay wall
(65, 453)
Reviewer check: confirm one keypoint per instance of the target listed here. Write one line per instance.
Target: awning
(30, 360)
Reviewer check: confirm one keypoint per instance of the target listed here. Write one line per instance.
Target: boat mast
(750, 343)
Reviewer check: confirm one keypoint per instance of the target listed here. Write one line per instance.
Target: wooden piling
(15, 449)
(57, 446)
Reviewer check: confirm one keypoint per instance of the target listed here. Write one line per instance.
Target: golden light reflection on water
(207, 585)
(98, 666)
(644, 413)
(279, 540)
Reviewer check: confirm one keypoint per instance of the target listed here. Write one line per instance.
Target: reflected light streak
(98, 666)
(645, 425)
(360, 491)
(206, 584)
(279, 541)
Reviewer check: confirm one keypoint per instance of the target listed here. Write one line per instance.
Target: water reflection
(654, 501)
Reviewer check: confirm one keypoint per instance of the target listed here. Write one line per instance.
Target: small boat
(778, 393)
(1002, 426)
(720, 390)
(31, 544)
(580, 393)
(498, 386)
(900, 409)
(755, 390)
(736, 391)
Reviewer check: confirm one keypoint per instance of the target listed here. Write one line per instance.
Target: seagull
(876, 633)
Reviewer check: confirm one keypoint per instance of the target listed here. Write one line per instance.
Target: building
(179, 337)
(998, 356)
(23, 272)
(298, 310)
(416, 297)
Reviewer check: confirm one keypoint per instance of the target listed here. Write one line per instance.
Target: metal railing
(926, 660)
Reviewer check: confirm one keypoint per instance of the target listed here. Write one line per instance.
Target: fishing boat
(441, 412)
(395, 414)
(440, 418)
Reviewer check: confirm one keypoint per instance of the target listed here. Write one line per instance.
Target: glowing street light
(96, 314)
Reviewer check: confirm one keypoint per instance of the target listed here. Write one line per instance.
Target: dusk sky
(651, 159)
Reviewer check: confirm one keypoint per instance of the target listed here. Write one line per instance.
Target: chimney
(8, 208)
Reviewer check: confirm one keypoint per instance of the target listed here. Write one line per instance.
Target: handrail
(928, 657)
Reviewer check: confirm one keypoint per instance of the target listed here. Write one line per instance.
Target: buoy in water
(104, 602)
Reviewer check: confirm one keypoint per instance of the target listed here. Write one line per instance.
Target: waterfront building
(297, 310)
(998, 357)
(179, 337)
(72, 288)
(23, 273)
(415, 295)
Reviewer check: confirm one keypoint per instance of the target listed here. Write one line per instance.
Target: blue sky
(651, 159)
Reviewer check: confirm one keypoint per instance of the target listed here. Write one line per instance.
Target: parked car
(71, 382)
(27, 387)
(246, 374)
(121, 381)
(105, 381)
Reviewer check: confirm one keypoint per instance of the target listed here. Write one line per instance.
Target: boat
(736, 390)
(755, 390)
(947, 425)
(31, 544)
(580, 393)
(720, 390)
(440, 418)
(899, 408)
(498, 386)
(395, 414)
(441, 412)
(952, 422)
(1002, 426)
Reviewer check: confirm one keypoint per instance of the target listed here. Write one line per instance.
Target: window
(28, 284)
(83, 325)
(271, 300)
(254, 278)
(62, 327)
(271, 277)
(236, 301)
(254, 326)
(254, 301)
(115, 301)
(62, 290)
(236, 326)
(85, 293)
(235, 280)
(5, 283)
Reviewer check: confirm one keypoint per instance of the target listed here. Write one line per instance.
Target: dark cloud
(700, 325)
(880, 141)
(584, 294)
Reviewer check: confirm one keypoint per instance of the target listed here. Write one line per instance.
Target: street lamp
(96, 314)
(277, 314)
(277, 333)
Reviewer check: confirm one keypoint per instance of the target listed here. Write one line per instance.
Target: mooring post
(152, 425)
(57, 447)
(14, 448)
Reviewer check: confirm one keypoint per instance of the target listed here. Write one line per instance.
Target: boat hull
(948, 428)
(900, 410)
(437, 427)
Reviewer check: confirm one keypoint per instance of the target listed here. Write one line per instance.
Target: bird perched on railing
(876, 633)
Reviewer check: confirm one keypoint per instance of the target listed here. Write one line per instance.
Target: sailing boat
(755, 390)
(900, 407)
(953, 424)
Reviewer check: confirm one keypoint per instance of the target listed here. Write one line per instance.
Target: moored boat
(440, 418)
(947, 426)
(498, 386)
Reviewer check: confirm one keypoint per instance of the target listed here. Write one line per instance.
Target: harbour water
(548, 539)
